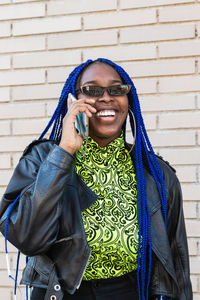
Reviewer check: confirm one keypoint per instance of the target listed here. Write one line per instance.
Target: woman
(97, 218)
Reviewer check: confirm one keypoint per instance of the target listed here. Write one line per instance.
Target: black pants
(119, 288)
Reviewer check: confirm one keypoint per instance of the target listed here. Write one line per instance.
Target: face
(106, 124)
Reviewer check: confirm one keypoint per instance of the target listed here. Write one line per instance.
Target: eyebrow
(112, 81)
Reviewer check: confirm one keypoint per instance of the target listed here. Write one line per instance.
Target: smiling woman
(104, 220)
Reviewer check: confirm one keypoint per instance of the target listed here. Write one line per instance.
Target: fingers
(82, 105)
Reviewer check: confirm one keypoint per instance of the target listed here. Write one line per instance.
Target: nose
(105, 97)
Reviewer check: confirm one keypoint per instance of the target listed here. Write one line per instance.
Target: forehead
(99, 72)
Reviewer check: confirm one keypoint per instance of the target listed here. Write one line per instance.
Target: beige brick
(5, 29)
(47, 25)
(118, 19)
(172, 138)
(122, 52)
(157, 33)
(16, 157)
(58, 75)
(179, 84)
(167, 103)
(5, 176)
(22, 77)
(28, 110)
(20, 44)
(5, 162)
(193, 246)
(4, 128)
(42, 59)
(22, 11)
(35, 126)
(158, 68)
(4, 95)
(181, 156)
(13, 144)
(4, 62)
(191, 192)
(179, 120)
(124, 4)
(179, 13)
(50, 91)
(5, 293)
(194, 265)
(181, 48)
(68, 7)
(145, 85)
(82, 39)
(186, 173)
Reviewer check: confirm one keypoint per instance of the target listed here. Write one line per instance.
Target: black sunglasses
(98, 91)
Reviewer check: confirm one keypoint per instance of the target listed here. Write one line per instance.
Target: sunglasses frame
(105, 88)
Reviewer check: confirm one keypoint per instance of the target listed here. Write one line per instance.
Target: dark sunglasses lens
(117, 90)
(92, 91)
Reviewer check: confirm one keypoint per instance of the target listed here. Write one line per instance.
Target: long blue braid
(143, 149)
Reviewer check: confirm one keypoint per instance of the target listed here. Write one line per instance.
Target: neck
(104, 141)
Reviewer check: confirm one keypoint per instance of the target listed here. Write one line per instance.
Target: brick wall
(158, 43)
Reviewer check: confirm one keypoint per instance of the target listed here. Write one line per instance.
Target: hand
(71, 140)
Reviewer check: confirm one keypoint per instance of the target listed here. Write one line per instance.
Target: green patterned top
(111, 223)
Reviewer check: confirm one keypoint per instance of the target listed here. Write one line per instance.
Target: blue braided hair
(143, 150)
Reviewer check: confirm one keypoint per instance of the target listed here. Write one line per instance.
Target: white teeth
(105, 113)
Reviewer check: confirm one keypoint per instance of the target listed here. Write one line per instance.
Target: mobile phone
(81, 122)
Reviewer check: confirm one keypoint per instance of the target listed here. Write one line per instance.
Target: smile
(105, 113)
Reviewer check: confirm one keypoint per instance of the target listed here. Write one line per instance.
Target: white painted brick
(118, 19)
(4, 128)
(22, 11)
(13, 144)
(145, 85)
(42, 59)
(68, 7)
(181, 48)
(179, 84)
(5, 293)
(5, 162)
(157, 33)
(179, 13)
(4, 95)
(47, 25)
(16, 157)
(22, 261)
(196, 296)
(5, 29)
(3, 265)
(194, 264)
(50, 91)
(190, 209)
(198, 101)
(186, 173)
(172, 138)
(124, 4)
(4, 1)
(28, 110)
(149, 120)
(5, 176)
(181, 156)
(193, 246)
(51, 107)
(158, 68)
(18, 1)
(4, 62)
(82, 39)
(20, 44)
(199, 138)
(179, 120)
(6, 281)
(191, 192)
(122, 52)
(58, 74)
(35, 126)
(167, 103)
(22, 77)
(195, 284)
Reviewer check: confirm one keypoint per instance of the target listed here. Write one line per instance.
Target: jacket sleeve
(178, 240)
(40, 181)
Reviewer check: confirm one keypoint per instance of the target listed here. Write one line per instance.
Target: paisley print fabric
(111, 223)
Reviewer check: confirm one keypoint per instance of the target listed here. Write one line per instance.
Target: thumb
(69, 101)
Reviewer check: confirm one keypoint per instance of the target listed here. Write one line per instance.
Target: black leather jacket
(46, 224)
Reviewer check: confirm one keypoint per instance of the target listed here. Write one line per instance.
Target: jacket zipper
(83, 271)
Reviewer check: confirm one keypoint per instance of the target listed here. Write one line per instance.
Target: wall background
(158, 43)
